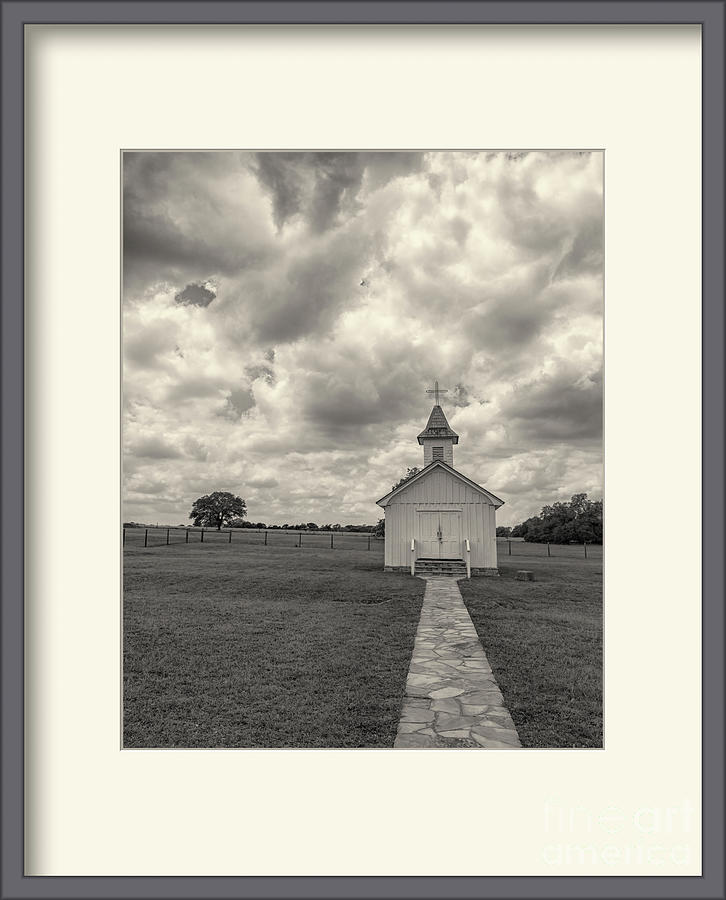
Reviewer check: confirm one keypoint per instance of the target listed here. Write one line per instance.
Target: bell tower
(437, 438)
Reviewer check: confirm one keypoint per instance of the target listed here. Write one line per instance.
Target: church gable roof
(496, 501)
(437, 427)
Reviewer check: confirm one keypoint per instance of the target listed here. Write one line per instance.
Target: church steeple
(437, 438)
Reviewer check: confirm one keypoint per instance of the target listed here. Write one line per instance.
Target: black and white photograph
(362, 449)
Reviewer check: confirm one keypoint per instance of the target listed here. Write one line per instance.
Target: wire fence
(331, 540)
(275, 537)
(506, 548)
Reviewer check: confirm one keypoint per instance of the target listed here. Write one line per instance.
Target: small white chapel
(440, 521)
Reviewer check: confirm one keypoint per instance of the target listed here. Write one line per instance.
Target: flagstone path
(452, 698)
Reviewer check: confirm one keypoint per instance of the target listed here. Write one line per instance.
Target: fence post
(584, 544)
(265, 539)
(202, 538)
(510, 547)
(146, 537)
(230, 536)
(332, 545)
(299, 539)
(167, 537)
(548, 549)
(369, 542)
(123, 541)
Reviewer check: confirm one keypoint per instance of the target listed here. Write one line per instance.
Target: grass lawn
(543, 640)
(245, 646)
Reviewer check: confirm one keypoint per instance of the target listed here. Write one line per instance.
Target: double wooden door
(439, 534)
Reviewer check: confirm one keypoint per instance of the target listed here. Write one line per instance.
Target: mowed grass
(242, 646)
(543, 639)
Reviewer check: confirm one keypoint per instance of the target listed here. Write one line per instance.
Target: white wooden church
(440, 521)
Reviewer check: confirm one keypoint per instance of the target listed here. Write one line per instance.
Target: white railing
(468, 559)
(413, 556)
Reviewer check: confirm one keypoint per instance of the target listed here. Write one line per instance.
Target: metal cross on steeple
(437, 390)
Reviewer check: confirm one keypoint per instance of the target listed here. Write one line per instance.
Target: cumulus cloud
(262, 482)
(284, 314)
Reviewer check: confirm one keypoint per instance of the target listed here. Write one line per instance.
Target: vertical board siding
(438, 490)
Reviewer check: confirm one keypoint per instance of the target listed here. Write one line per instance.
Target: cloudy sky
(284, 314)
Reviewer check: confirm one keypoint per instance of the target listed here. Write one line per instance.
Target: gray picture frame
(16, 15)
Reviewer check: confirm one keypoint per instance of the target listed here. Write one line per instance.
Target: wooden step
(442, 563)
(427, 566)
(439, 562)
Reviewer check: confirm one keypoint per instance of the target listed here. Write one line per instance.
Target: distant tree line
(262, 526)
(302, 526)
(580, 521)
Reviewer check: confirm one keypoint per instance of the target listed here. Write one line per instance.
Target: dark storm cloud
(316, 184)
(240, 401)
(151, 236)
(195, 295)
(280, 174)
(586, 252)
(559, 407)
(381, 168)
(349, 407)
(158, 249)
(158, 447)
(321, 185)
(514, 313)
(314, 290)
(338, 177)
(154, 448)
(181, 218)
(508, 323)
(336, 407)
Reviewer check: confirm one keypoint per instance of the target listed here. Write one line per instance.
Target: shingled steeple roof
(438, 427)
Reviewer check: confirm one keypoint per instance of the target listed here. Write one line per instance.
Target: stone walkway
(452, 698)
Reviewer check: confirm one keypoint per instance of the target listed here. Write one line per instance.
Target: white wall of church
(441, 490)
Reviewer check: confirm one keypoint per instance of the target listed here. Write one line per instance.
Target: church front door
(439, 534)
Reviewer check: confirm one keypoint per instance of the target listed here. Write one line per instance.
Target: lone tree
(218, 509)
